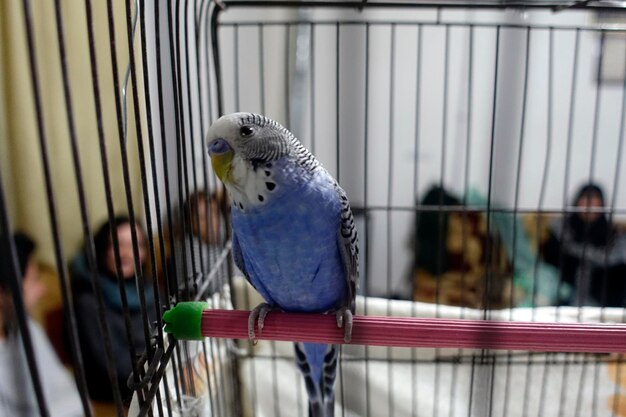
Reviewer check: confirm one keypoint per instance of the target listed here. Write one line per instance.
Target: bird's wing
(348, 246)
(238, 257)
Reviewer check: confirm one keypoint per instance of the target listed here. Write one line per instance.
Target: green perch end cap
(184, 320)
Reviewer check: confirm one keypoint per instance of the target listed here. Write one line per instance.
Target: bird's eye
(246, 131)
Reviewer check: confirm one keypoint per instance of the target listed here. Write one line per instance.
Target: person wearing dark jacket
(86, 307)
(589, 252)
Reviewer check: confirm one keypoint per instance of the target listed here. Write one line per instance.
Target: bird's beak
(221, 159)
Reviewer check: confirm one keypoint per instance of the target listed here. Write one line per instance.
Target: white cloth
(17, 395)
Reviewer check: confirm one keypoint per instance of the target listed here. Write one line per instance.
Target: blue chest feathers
(289, 244)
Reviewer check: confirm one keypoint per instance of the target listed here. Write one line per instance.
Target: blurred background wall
(20, 160)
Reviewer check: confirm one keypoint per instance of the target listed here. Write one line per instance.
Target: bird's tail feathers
(318, 364)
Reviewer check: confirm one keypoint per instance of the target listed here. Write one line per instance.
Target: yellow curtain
(20, 154)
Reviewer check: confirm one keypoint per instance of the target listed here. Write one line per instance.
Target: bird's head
(240, 142)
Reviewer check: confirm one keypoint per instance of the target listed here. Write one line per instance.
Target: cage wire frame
(237, 83)
(181, 53)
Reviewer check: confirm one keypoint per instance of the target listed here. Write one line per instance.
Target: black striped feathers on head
(253, 137)
(261, 139)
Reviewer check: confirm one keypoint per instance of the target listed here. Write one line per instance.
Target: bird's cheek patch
(222, 165)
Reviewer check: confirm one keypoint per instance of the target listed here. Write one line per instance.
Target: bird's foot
(259, 312)
(344, 319)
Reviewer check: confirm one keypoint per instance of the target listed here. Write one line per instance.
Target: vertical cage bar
(109, 202)
(184, 293)
(8, 249)
(181, 166)
(198, 265)
(486, 375)
(216, 59)
(186, 146)
(583, 287)
(337, 102)
(488, 276)
(466, 174)
(287, 75)
(520, 150)
(139, 278)
(366, 209)
(442, 232)
(312, 85)
(468, 148)
(620, 146)
(416, 178)
(236, 66)
(261, 46)
(572, 108)
(153, 169)
(442, 173)
(131, 211)
(68, 304)
(171, 292)
(9, 246)
(211, 377)
(390, 176)
(250, 347)
(199, 268)
(206, 54)
(568, 152)
(586, 287)
(542, 192)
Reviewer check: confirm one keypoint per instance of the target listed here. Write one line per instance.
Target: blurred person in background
(17, 395)
(86, 307)
(199, 241)
(590, 252)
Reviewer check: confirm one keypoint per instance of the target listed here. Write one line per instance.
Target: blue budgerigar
(294, 236)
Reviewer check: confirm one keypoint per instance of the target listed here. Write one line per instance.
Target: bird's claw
(259, 312)
(344, 320)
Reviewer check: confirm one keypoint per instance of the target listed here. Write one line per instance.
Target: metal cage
(459, 130)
